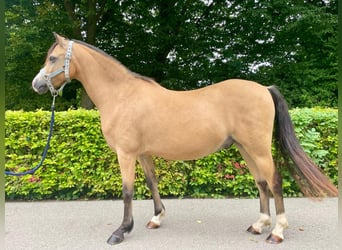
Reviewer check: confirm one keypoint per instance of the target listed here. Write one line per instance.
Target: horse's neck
(101, 76)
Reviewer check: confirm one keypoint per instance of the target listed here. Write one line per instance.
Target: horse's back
(191, 124)
(242, 95)
(235, 99)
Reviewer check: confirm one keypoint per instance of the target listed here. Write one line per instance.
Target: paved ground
(189, 224)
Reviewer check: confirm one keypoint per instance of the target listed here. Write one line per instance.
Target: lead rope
(52, 121)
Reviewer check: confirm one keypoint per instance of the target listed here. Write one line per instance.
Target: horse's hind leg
(281, 223)
(267, 178)
(159, 210)
(264, 218)
(264, 196)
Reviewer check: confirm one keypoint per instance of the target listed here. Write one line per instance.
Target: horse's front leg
(159, 210)
(127, 167)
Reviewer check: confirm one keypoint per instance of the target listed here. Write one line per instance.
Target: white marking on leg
(264, 221)
(157, 218)
(281, 224)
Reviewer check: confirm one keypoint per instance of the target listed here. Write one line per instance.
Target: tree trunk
(92, 17)
(86, 103)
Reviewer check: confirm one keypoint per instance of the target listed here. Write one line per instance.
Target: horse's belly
(182, 153)
(187, 146)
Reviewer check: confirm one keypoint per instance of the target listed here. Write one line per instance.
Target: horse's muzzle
(39, 84)
(42, 90)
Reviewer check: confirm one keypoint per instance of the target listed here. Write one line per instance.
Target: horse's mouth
(41, 89)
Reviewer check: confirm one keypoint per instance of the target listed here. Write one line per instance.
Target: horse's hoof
(274, 239)
(115, 239)
(152, 225)
(252, 230)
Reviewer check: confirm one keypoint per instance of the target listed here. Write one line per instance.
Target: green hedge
(81, 166)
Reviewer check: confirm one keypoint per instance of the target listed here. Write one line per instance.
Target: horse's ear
(59, 39)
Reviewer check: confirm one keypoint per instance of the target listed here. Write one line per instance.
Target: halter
(65, 69)
(54, 93)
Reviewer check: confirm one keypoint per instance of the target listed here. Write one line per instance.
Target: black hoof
(118, 235)
(115, 239)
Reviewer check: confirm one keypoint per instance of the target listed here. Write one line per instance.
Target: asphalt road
(189, 224)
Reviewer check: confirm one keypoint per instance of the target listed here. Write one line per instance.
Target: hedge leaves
(80, 165)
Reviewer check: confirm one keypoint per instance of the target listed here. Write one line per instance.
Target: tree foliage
(183, 44)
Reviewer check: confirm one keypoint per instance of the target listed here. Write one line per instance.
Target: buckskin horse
(141, 119)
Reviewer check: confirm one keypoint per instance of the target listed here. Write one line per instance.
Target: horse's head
(58, 69)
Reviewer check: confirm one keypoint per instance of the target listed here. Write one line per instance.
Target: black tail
(309, 177)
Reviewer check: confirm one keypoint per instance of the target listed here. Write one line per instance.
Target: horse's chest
(120, 135)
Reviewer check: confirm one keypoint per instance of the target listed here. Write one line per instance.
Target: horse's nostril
(42, 89)
(39, 88)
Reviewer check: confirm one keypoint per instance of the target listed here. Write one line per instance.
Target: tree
(303, 60)
(85, 17)
(26, 35)
(76, 19)
(189, 44)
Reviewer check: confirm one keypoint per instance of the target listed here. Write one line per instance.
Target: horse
(141, 119)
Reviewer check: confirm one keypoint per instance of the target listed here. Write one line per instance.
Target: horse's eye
(52, 59)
